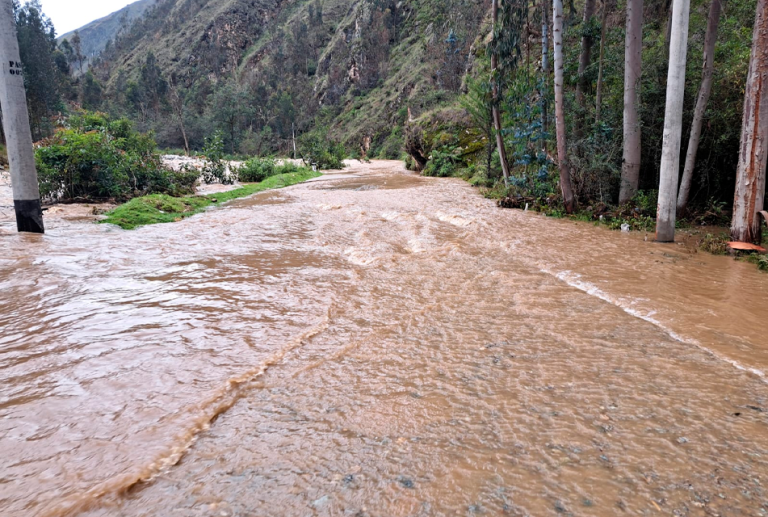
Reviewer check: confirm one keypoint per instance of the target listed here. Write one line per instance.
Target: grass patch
(761, 261)
(715, 244)
(161, 208)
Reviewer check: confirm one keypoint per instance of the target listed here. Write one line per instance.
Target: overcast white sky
(68, 15)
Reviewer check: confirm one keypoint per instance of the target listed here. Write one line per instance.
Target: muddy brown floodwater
(377, 344)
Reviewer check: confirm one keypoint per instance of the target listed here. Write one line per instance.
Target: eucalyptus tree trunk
(750, 177)
(562, 147)
(601, 71)
(701, 106)
(585, 57)
(544, 65)
(496, 99)
(177, 103)
(633, 47)
(673, 122)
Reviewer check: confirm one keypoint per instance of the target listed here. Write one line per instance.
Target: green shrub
(215, 169)
(762, 263)
(715, 244)
(289, 167)
(256, 170)
(322, 152)
(392, 147)
(636, 222)
(647, 201)
(161, 208)
(442, 163)
(181, 183)
(99, 158)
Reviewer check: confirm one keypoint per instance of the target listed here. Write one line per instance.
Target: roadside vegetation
(94, 158)
(162, 208)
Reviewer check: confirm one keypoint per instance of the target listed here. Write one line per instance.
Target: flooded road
(377, 344)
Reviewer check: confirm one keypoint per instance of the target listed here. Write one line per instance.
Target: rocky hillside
(95, 35)
(351, 67)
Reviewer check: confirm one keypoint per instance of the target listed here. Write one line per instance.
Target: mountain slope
(95, 35)
(350, 66)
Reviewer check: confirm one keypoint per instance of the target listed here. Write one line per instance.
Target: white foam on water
(390, 216)
(629, 306)
(359, 257)
(455, 220)
(416, 246)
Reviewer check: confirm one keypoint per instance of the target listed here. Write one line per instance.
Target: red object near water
(745, 246)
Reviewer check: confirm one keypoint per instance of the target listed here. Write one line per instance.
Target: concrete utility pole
(13, 101)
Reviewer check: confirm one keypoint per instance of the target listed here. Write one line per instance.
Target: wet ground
(377, 344)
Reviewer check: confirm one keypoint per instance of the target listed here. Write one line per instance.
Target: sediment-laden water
(377, 344)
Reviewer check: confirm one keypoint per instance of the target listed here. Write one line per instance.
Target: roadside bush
(181, 183)
(442, 163)
(257, 170)
(215, 169)
(288, 167)
(324, 153)
(99, 158)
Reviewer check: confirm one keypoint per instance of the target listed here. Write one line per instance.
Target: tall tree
(495, 80)
(91, 95)
(77, 47)
(562, 147)
(673, 122)
(701, 106)
(607, 7)
(230, 107)
(68, 51)
(544, 66)
(179, 107)
(151, 83)
(633, 47)
(37, 43)
(753, 155)
(585, 57)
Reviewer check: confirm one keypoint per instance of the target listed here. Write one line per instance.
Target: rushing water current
(377, 344)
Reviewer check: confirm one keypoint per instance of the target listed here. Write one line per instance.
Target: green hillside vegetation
(348, 68)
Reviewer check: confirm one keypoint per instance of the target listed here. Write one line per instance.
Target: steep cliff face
(354, 66)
